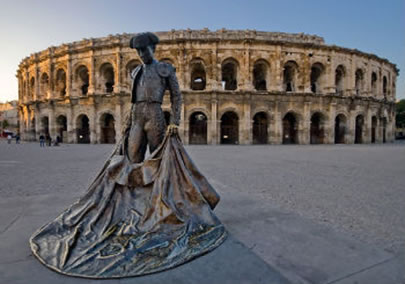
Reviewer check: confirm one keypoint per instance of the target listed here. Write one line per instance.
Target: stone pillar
(71, 125)
(213, 129)
(69, 79)
(367, 126)
(94, 124)
(182, 126)
(37, 79)
(276, 84)
(351, 123)
(330, 139)
(246, 124)
(38, 128)
(118, 119)
(52, 121)
(277, 136)
(329, 82)
(304, 125)
(92, 75)
(304, 67)
(118, 74)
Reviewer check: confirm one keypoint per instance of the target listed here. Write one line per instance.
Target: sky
(28, 26)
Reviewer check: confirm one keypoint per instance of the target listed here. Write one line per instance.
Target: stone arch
(290, 128)
(374, 122)
(107, 77)
(340, 128)
(290, 75)
(340, 74)
(83, 129)
(316, 77)
(359, 129)
(32, 87)
(61, 127)
(82, 79)
(45, 125)
(359, 81)
(230, 128)
(317, 128)
(198, 77)
(229, 72)
(385, 84)
(260, 75)
(260, 125)
(44, 86)
(198, 128)
(107, 128)
(129, 67)
(61, 82)
(374, 83)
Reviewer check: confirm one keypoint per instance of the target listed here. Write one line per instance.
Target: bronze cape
(134, 219)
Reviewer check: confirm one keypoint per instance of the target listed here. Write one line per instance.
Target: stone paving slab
(231, 263)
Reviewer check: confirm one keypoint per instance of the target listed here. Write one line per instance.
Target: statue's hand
(172, 129)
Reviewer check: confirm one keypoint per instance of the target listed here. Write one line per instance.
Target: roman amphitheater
(239, 87)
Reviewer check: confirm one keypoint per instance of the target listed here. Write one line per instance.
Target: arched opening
(229, 74)
(198, 76)
(198, 128)
(229, 128)
(339, 79)
(61, 124)
(260, 123)
(167, 115)
(83, 129)
(317, 134)
(44, 86)
(358, 138)
(32, 87)
(107, 75)
(359, 82)
(82, 78)
(385, 86)
(259, 76)
(131, 65)
(373, 129)
(107, 131)
(374, 83)
(61, 82)
(316, 78)
(384, 129)
(290, 129)
(45, 125)
(289, 76)
(340, 129)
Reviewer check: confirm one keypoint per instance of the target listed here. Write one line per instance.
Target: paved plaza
(307, 213)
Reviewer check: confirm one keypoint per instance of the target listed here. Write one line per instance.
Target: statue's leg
(136, 143)
(155, 127)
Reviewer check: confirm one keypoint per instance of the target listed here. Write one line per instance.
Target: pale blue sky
(28, 26)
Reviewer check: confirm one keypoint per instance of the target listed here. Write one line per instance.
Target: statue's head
(145, 45)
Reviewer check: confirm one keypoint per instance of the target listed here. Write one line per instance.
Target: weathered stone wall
(274, 74)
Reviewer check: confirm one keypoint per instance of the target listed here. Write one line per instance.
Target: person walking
(9, 137)
(17, 139)
(41, 140)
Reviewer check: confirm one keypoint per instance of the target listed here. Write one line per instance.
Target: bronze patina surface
(138, 216)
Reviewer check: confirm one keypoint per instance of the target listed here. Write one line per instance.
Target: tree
(400, 114)
(5, 124)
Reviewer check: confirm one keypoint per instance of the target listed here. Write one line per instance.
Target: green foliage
(5, 124)
(400, 113)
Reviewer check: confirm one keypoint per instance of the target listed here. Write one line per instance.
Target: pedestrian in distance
(41, 140)
(9, 137)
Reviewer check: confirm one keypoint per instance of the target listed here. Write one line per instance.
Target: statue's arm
(175, 97)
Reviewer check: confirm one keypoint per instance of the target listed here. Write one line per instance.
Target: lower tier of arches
(222, 119)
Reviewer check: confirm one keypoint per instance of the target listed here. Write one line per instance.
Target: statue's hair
(143, 40)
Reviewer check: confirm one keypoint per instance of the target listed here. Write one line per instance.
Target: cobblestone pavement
(354, 190)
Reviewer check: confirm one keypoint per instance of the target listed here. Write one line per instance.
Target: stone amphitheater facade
(239, 87)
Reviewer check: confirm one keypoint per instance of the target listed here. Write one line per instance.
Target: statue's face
(146, 54)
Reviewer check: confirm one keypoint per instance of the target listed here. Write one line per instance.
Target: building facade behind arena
(239, 87)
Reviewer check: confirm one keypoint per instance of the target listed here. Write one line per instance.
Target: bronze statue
(138, 216)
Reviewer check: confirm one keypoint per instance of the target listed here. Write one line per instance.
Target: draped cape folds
(134, 219)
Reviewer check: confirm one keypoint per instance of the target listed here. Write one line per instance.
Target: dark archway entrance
(61, 122)
(45, 125)
(229, 128)
(317, 131)
(260, 128)
(358, 138)
(198, 128)
(290, 129)
(107, 129)
(340, 129)
(373, 129)
(83, 129)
